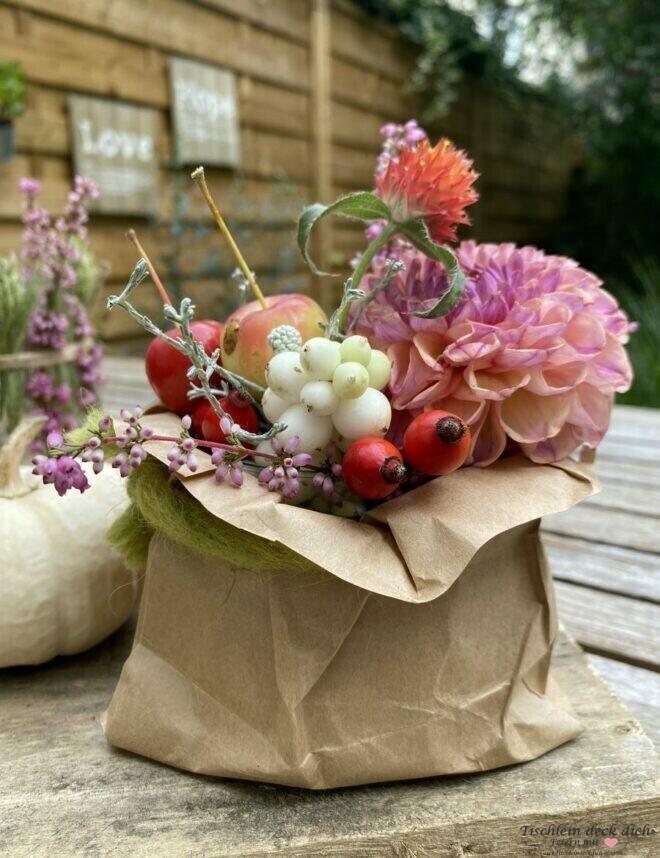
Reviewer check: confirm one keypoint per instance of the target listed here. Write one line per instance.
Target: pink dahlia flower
(532, 354)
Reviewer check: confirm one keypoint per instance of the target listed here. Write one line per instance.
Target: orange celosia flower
(433, 182)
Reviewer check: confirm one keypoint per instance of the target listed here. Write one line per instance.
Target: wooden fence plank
(616, 626)
(605, 567)
(172, 25)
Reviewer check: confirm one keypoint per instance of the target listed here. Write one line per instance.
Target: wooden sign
(205, 114)
(115, 144)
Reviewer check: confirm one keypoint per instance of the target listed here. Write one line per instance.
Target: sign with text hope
(205, 114)
(115, 144)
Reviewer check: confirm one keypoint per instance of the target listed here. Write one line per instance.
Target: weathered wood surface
(604, 554)
(65, 792)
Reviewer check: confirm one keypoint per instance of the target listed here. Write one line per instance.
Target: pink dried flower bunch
(532, 354)
(51, 251)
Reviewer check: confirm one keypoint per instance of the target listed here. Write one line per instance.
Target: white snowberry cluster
(328, 389)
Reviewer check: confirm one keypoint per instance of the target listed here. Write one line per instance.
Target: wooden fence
(316, 79)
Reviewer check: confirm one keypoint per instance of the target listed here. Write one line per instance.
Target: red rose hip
(436, 443)
(373, 468)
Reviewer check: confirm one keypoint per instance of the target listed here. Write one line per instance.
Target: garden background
(556, 101)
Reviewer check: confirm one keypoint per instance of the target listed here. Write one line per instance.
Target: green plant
(16, 303)
(642, 302)
(13, 87)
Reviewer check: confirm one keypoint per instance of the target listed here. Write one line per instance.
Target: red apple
(208, 421)
(245, 348)
(166, 367)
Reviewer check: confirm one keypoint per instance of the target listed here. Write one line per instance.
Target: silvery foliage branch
(203, 366)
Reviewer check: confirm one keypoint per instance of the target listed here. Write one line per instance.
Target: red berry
(166, 367)
(436, 443)
(208, 421)
(372, 468)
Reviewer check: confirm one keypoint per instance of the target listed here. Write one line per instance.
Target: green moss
(159, 505)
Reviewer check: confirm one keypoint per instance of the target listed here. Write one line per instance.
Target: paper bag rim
(411, 548)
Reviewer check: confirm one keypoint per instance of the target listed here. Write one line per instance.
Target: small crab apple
(373, 468)
(436, 443)
(245, 346)
(205, 417)
(166, 367)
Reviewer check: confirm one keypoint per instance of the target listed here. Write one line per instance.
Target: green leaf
(362, 205)
(417, 232)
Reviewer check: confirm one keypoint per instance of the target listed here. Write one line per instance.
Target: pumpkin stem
(12, 484)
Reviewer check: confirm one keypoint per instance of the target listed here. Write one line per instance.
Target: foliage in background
(16, 303)
(13, 87)
(599, 61)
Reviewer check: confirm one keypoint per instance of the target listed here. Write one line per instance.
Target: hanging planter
(7, 142)
(12, 102)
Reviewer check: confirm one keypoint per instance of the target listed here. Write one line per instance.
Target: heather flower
(398, 138)
(64, 473)
(430, 182)
(531, 356)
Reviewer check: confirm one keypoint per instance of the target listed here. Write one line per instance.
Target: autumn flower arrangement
(434, 359)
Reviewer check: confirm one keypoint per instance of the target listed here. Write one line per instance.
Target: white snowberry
(273, 405)
(285, 375)
(320, 357)
(356, 348)
(369, 415)
(379, 369)
(350, 380)
(314, 432)
(319, 398)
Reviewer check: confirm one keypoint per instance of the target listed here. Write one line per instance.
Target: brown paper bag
(421, 646)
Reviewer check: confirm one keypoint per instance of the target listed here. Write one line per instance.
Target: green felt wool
(159, 505)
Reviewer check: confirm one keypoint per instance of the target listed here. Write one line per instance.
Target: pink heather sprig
(329, 477)
(282, 474)
(396, 139)
(50, 252)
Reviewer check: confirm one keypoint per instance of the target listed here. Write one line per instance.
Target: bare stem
(131, 235)
(200, 180)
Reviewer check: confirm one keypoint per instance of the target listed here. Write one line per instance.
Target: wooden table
(64, 792)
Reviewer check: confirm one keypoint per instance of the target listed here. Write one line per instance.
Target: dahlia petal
(553, 449)
(549, 380)
(489, 437)
(611, 369)
(591, 408)
(528, 418)
(495, 385)
(585, 334)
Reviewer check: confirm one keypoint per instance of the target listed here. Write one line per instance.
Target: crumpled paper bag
(421, 646)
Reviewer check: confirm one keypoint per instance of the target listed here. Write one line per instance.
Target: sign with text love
(115, 144)
(205, 114)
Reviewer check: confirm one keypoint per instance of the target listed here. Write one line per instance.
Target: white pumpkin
(62, 587)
